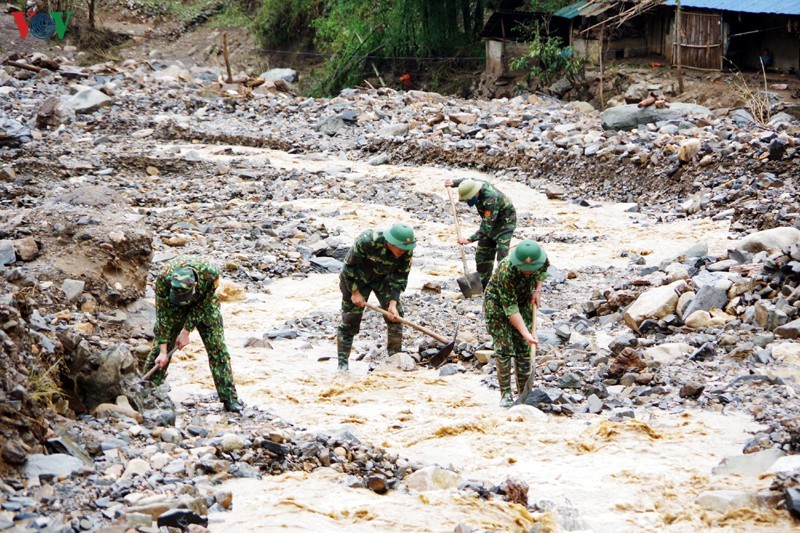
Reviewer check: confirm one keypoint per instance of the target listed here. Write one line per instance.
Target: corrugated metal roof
(580, 9)
(777, 7)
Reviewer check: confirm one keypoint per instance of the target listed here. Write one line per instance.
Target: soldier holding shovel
(378, 262)
(186, 299)
(498, 221)
(515, 287)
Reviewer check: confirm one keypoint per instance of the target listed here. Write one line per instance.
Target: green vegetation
(548, 59)
(355, 34)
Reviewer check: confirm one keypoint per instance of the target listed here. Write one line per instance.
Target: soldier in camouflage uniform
(378, 262)
(514, 287)
(498, 221)
(186, 299)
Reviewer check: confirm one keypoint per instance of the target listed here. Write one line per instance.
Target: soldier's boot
(343, 348)
(523, 372)
(394, 338)
(347, 330)
(503, 363)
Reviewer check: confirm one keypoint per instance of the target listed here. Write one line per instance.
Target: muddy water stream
(637, 476)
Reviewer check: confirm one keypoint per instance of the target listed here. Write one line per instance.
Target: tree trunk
(91, 14)
(477, 19)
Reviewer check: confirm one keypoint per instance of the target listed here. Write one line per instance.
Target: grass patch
(44, 384)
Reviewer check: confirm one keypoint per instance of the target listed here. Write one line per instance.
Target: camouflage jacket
(494, 208)
(510, 290)
(207, 281)
(370, 263)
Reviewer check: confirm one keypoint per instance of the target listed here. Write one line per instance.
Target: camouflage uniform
(498, 222)
(510, 292)
(371, 267)
(201, 312)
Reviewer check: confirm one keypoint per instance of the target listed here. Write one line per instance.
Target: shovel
(152, 371)
(529, 384)
(470, 284)
(438, 359)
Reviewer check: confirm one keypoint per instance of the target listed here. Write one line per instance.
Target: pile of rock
(115, 471)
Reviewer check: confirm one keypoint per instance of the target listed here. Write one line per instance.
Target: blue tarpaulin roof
(776, 7)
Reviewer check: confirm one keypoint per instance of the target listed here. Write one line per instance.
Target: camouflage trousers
(211, 332)
(496, 245)
(509, 347)
(351, 322)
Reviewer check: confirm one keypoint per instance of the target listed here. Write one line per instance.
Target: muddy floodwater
(596, 475)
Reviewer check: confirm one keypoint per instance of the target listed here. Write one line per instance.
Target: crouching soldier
(498, 221)
(514, 287)
(378, 262)
(186, 299)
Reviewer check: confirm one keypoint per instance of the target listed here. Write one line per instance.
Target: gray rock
(50, 466)
(707, 297)
(726, 500)
(54, 112)
(99, 377)
(285, 74)
(626, 340)
(328, 263)
(570, 381)
(380, 159)
(789, 331)
(595, 404)
(697, 250)
(742, 117)
(72, 288)
(172, 436)
(13, 133)
(330, 125)
(7, 254)
(629, 117)
(448, 370)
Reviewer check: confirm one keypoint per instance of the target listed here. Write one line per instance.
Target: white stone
(528, 412)
(698, 319)
(655, 303)
(136, 467)
(231, 442)
(726, 500)
(72, 288)
(432, 478)
(667, 352)
(88, 100)
(753, 464)
(688, 150)
(788, 352)
(788, 463)
(770, 240)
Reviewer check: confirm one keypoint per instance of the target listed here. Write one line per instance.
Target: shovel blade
(439, 359)
(470, 285)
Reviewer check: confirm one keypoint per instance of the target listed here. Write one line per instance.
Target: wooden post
(678, 43)
(225, 55)
(602, 65)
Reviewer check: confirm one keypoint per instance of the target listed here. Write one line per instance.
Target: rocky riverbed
(669, 321)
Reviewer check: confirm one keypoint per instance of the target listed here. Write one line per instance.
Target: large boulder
(769, 240)
(653, 304)
(628, 117)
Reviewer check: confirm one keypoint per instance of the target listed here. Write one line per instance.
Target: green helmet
(468, 188)
(400, 235)
(528, 256)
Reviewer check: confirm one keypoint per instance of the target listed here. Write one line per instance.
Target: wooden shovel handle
(534, 308)
(155, 368)
(458, 230)
(402, 320)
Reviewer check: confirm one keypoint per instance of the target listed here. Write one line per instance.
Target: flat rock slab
(628, 117)
(55, 465)
(753, 464)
